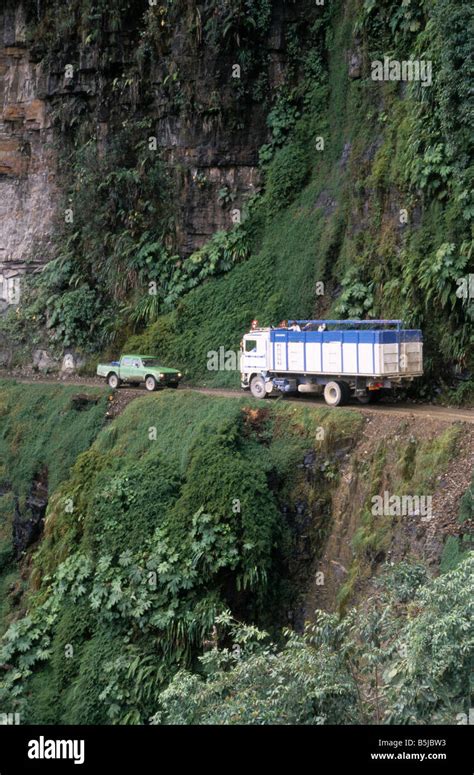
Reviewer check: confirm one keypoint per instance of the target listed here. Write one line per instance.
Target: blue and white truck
(338, 358)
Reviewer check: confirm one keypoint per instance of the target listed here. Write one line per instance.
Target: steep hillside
(189, 518)
(170, 172)
(42, 432)
(375, 224)
(354, 193)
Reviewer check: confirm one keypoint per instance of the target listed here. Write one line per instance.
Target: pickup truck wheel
(151, 384)
(113, 381)
(333, 393)
(257, 387)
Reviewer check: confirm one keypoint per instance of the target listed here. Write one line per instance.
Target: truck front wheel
(333, 393)
(151, 384)
(113, 381)
(257, 387)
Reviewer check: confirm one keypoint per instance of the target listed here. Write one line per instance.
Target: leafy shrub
(73, 317)
(357, 297)
(370, 666)
(237, 21)
(252, 682)
(286, 176)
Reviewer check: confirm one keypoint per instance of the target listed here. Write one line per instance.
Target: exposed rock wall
(208, 134)
(27, 165)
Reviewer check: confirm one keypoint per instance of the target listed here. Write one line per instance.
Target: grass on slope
(45, 426)
(42, 431)
(198, 490)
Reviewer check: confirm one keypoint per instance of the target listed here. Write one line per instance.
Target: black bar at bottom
(420, 749)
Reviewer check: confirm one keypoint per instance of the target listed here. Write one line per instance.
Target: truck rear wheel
(346, 392)
(151, 384)
(113, 381)
(333, 393)
(257, 387)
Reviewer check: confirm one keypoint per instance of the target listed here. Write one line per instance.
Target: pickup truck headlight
(179, 375)
(162, 376)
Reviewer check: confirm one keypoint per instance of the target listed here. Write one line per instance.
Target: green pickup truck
(134, 369)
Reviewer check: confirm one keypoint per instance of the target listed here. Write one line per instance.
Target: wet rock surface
(27, 159)
(28, 520)
(208, 124)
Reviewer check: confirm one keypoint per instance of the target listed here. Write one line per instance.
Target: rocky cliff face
(27, 166)
(208, 113)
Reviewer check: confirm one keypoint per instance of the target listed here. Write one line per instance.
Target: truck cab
(254, 350)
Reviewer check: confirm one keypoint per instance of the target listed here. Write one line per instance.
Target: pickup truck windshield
(150, 362)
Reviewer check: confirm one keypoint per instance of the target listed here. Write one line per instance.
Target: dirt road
(428, 411)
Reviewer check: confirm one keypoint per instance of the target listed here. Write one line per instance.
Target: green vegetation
(45, 426)
(315, 222)
(42, 431)
(413, 472)
(110, 244)
(115, 267)
(329, 214)
(404, 659)
(179, 539)
(172, 515)
(172, 552)
(457, 548)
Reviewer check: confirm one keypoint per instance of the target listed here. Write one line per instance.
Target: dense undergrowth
(405, 659)
(179, 510)
(177, 542)
(42, 431)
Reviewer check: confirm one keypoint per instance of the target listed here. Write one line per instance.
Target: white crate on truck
(353, 352)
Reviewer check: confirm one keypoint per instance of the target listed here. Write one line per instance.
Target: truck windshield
(150, 361)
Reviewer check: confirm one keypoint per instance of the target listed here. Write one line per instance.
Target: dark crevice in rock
(28, 522)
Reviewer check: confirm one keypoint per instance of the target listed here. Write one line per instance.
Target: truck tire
(333, 393)
(257, 387)
(113, 381)
(151, 384)
(346, 392)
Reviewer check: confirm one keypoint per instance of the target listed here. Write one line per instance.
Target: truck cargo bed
(354, 353)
